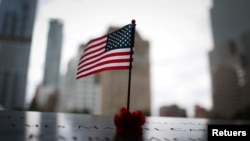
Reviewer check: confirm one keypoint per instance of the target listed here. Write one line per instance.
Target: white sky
(179, 33)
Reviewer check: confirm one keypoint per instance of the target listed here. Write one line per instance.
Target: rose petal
(128, 123)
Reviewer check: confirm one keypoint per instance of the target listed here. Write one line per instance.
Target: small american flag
(109, 52)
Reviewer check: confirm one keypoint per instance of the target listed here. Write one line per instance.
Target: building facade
(230, 58)
(229, 20)
(53, 54)
(114, 84)
(172, 111)
(16, 27)
(201, 112)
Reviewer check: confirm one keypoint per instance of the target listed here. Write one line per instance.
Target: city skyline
(179, 34)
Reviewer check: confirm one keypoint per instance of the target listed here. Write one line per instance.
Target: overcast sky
(179, 33)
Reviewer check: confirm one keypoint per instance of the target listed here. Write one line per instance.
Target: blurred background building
(16, 28)
(230, 58)
(201, 112)
(47, 94)
(53, 54)
(172, 111)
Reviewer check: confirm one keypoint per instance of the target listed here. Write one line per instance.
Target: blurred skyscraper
(114, 84)
(53, 54)
(230, 58)
(16, 27)
(48, 93)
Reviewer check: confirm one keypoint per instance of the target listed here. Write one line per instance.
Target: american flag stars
(120, 38)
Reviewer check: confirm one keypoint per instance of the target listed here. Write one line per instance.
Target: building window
(243, 61)
(15, 88)
(5, 19)
(4, 90)
(232, 48)
(9, 23)
(25, 10)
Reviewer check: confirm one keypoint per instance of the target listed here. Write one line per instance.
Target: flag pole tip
(133, 21)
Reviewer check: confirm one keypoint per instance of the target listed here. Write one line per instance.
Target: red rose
(129, 123)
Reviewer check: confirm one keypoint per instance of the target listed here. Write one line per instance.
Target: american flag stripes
(108, 52)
